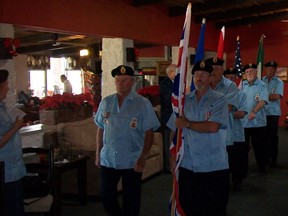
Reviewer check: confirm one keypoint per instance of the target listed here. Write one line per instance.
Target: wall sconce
(84, 52)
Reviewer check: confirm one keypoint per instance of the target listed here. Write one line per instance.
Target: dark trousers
(131, 191)
(258, 139)
(272, 138)
(166, 132)
(238, 157)
(204, 194)
(14, 198)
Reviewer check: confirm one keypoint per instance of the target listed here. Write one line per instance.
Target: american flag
(238, 61)
(178, 97)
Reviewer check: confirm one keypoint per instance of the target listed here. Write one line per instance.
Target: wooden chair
(2, 182)
(39, 162)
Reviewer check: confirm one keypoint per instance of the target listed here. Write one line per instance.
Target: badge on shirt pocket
(257, 97)
(106, 115)
(133, 123)
(208, 115)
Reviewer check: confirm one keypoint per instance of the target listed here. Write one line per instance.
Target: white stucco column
(7, 31)
(113, 55)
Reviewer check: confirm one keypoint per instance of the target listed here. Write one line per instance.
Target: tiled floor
(261, 195)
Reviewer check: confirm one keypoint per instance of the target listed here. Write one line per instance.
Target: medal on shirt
(133, 123)
(257, 97)
(273, 90)
(106, 116)
(207, 115)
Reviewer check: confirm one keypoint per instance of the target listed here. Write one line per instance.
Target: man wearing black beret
(126, 121)
(273, 109)
(255, 120)
(237, 152)
(225, 86)
(203, 170)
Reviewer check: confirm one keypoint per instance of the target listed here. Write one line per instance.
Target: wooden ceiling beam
(251, 20)
(138, 3)
(269, 8)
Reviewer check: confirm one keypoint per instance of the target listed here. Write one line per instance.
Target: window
(47, 82)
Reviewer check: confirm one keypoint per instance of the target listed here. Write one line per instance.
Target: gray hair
(170, 68)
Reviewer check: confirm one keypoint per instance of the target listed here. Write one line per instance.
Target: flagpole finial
(238, 38)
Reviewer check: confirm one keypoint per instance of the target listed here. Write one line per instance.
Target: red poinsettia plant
(66, 100)
(152, 93)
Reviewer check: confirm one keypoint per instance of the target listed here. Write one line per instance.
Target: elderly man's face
(124, 83)
(217, 72)
(202, 80)
(270, 71)
(251, 74)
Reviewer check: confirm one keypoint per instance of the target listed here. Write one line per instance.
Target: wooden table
(79, 163)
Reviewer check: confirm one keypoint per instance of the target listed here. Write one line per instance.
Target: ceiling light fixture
(84, 52)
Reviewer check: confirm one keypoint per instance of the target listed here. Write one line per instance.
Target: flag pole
(178, 98)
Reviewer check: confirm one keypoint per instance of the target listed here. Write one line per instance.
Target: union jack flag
(178, 97)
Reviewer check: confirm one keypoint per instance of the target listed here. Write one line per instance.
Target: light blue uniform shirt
(11, 152)
(239, 135)
(124, 129)
(275, 86)
(255, 92)
(230, 90)
(204, 152)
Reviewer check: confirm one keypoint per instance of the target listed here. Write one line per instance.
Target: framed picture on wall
(282, 73)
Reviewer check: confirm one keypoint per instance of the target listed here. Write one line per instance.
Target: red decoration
(8, 47)
(66, 100)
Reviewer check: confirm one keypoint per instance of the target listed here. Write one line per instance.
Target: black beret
(230, 71)
(122, 70)
(3, 75)
(202, 66)
(214, 61)
(271, 64)
(250, 65)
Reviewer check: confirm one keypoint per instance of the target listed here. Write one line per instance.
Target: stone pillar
(113, 55)
(7, 31)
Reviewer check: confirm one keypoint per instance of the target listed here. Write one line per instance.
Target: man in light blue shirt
(238, 153)
(203, 171)
(255, 120)
(273, 109)
(126, 122)
(11, 154)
